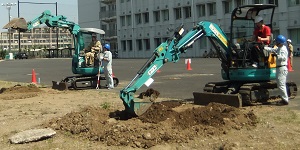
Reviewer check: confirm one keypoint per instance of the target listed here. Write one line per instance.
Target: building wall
(285, 21)
(88, 13)
(37, 38)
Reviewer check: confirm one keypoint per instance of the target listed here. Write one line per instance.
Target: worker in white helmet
(261, 34)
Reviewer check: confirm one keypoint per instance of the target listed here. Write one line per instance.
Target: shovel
(100, 64)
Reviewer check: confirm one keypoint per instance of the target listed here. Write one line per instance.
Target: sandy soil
(94, 119)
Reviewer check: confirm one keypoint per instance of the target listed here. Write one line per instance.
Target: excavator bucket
(234, 100)
(61, 86)
(141, 106)
(17, 23)
(143, 102)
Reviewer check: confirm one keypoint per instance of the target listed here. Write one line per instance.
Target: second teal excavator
(243, 85)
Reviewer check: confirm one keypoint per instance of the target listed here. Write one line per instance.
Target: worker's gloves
(274, 54)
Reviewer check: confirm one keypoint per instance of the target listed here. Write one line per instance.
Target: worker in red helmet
(107, 64)
(281, 54)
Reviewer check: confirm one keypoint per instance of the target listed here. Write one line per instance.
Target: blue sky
(68, 8)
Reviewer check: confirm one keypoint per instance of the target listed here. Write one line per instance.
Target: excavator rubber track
(79, 82)
(248, 94)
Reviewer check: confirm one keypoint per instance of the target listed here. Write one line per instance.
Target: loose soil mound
(162, 123)
(19, 92)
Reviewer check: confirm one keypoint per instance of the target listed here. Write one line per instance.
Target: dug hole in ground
(94, 119)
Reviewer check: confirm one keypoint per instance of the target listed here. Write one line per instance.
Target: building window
(138, 18)
(122, 21)
(258, 1)
(139, 44)
(147, 44)
(273, 2)
(156, 15)
(227, 7)
(146, 17)
(187, 12)
(103, 9)
(129, 45)
(112, 7)
(203, 43)
(212, 9)
(293, 2)
(103, 27)
(128, 20)
(157, 41)
(177, 13)
(201, 10)
(123, 45)
(295, 36)
(165, 15)
(239, 3)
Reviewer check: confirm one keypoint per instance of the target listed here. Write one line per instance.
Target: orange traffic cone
(188, 65)
(33, 77)
(289, 65)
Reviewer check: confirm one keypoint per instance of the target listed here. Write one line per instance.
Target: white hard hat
(289, 40)
(258, 19)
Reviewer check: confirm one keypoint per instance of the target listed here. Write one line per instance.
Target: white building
(38, 38)
(143, 24)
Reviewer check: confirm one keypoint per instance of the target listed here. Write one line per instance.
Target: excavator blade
(141, 106)
(206, 98)
(17, 23)
(61, 86)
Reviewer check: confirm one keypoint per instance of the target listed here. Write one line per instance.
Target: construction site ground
(94, 119)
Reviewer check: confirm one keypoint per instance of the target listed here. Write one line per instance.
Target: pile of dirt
(162, 123)
(19, 92)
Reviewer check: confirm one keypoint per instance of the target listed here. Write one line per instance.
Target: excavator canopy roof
(91, 30)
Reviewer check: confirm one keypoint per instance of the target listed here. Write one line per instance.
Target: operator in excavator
(281, 54)
(261, 34)
(93, 48)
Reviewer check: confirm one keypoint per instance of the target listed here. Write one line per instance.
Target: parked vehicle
(21, 56)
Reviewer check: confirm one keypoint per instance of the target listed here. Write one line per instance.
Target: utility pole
(8, 7)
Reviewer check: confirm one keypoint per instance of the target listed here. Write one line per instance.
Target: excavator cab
(247, 53)
(249, 71)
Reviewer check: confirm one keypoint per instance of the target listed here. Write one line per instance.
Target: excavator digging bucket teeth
(17, 23)
(144, 101)
(141, 106)
(61, 86)
(234, 100)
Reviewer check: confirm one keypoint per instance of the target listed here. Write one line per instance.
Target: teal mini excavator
(243, 85)
(85, 76)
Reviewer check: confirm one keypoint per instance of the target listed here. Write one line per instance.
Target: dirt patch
(89, 119)
(19, 92)
(160, 124)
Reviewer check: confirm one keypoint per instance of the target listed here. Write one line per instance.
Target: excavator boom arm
(45, 18)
